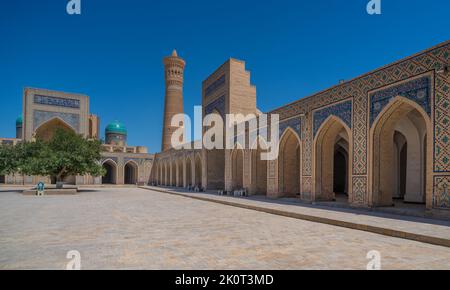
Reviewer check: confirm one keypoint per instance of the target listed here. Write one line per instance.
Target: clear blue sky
(113, 51)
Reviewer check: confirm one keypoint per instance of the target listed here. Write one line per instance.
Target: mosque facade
(45, 111)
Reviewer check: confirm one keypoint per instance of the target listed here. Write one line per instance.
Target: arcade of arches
(400, 149)
(378, 140)
(122, 172)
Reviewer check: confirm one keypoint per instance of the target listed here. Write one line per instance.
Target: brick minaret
(174, 74)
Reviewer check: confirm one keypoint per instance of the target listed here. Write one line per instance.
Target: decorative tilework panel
(359, 189)
(360, 125)
(218, 104)
(58, 102)
(417, 90)
(294, 124)
(40, 117)
(307, 145)
(441, 195)
(442, 125)
(342, 110)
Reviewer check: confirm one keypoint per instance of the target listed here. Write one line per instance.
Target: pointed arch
(173, 173)
(400, 142)
(189, 170)
(289, 163)
(166, 173)
(258, 167)
(237, 167)
(198, 172)
(155, 172)
(180, 172)
(111, 176)
(130, 172)
(333, 153)
(46, 130)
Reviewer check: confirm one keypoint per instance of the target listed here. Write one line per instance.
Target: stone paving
(130, 228)
(387, 223)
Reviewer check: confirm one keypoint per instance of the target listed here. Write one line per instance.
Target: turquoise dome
(116, 127)
(19, 121)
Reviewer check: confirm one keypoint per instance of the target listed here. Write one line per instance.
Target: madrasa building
(45, 111)
(378, 140)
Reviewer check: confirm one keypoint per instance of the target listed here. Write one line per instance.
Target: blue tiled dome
(19, 121)
(116, 127)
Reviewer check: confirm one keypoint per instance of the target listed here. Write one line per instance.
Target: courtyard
(132, 228)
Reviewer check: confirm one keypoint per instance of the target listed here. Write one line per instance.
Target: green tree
(66, 154)
(8, 159)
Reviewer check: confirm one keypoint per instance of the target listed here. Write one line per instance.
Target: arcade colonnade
(380, 139)
(126, 171)
(179, 169)
(399, 170)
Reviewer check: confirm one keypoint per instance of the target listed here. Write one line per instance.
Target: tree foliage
(66, 154)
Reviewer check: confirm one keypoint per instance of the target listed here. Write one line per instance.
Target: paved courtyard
(129, 228)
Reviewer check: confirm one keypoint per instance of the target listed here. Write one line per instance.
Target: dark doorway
(110, 177)
(130, 174)
(2, 179)
(340, 173)
(402, 170)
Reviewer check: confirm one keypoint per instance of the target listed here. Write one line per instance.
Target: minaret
(174, 74)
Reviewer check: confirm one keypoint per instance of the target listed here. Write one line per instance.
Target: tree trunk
(59, 179)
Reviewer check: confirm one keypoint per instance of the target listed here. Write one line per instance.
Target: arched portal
(47, 130)
(400, 149)
(160, 173)
(259, 171)
(188, 172)
(400, 164)
(198, 171)
(237, 167)
(341, 168)
(332, 156)
(165, 174)
(111, 172)
(156, 173)
(289, 164)
(180, 174)
(130, 173)
(173, 174)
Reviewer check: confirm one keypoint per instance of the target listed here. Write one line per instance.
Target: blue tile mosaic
(58, 102)
(342, 110)
(417, 90)
(294, 124)
(40, 117)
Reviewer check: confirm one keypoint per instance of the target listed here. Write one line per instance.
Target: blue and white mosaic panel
(417, 90)
(341, 110)
(41, 117)
(58, 102)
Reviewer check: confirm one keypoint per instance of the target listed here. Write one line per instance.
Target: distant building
(46, 110)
